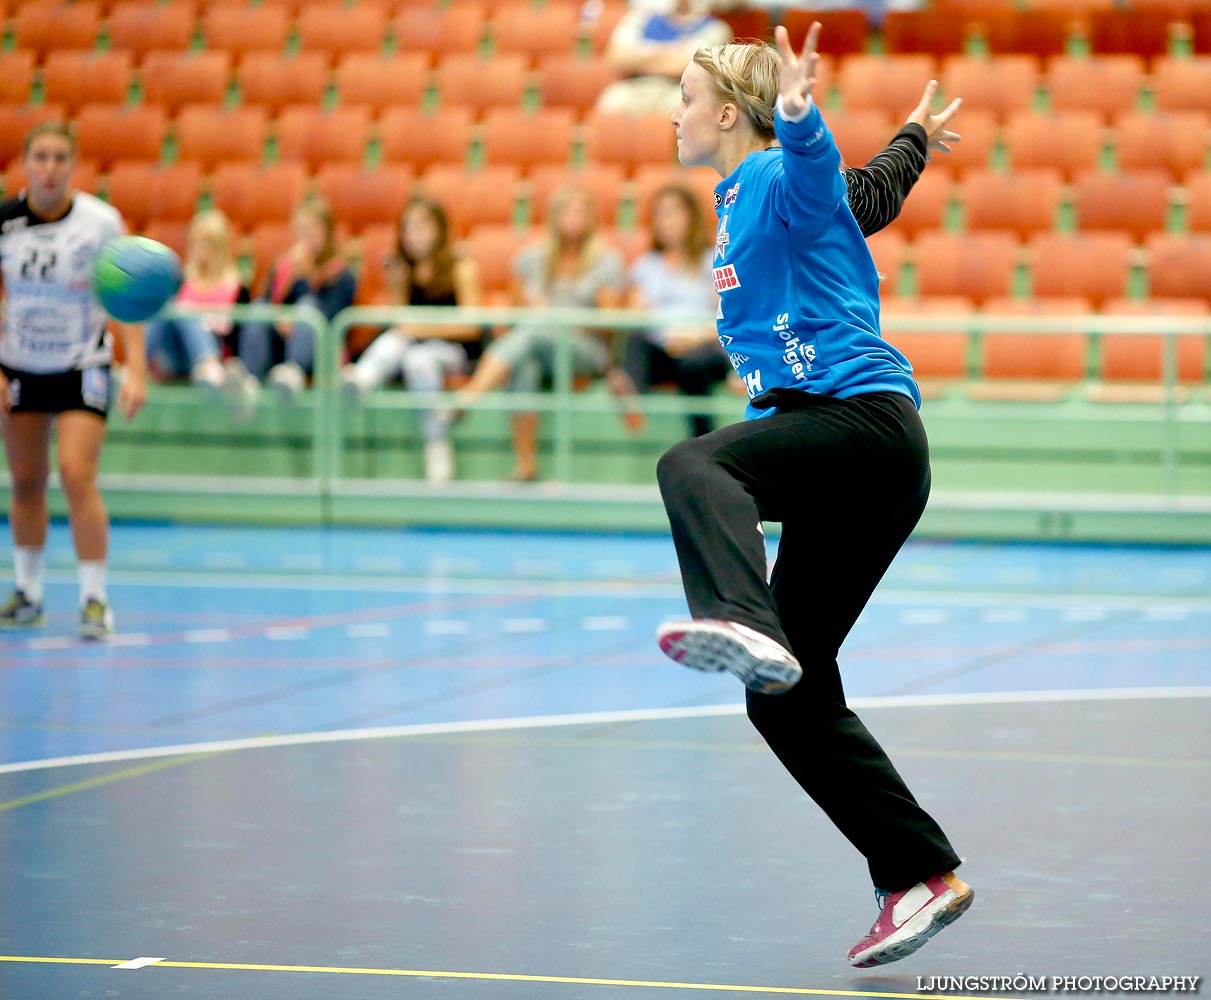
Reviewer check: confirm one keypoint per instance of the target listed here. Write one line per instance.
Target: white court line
(208, 635)
(604, 623)
(593, 718)
(254, 580)
(368, 630)
(526, 625)
(285, 633)
(439, 627)
(139, 963)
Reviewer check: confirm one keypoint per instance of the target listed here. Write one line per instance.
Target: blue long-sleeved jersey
(798, 290)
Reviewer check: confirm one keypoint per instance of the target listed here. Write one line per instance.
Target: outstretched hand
(798, 72)
(938, 136)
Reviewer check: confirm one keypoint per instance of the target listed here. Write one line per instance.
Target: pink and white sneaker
(909, 918)
(710, 645)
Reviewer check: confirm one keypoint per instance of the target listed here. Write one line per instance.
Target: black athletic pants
(848, 480)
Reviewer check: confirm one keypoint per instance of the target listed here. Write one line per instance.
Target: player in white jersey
(55, 355)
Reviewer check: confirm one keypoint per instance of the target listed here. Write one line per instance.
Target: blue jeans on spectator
(176, 346)
(261, 347)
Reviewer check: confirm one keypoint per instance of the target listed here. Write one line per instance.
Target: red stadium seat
(980, 265)
(52, 26)
(1136, 202)
(172, 79)
(361, 197)
(146, 191)
(338, 30)
(239, 30)
(1179, 266)
(843, 32)
(139, 27)
(317, 137)
(1024, 202)
(107, 133)
(16, 75)
(1041, 33)
(273, 80)
(211, 136)
(1108, 85)
(1175, 140)
(936, 32)
(1143, 31)
(409, 135)
(250, 194)
(74, 78)
(382, 82)
(1095, 266)
(511, 135)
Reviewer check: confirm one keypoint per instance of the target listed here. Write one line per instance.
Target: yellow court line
(104, 779)
(507, 977)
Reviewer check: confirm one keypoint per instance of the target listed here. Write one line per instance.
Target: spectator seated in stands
(571, 267)
(651, 44)
(675, 275)
(195, 345)
(310, 272)
(423, 270)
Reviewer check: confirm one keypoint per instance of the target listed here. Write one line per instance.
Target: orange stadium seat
(1108, 85)
(511, 135)
(1198, 201)
(147, 191)
(928, 202)
(936, 32)
(861, 134)
(1041, 33)
(73, 78)
(239, 30)
(1135, 202)
(1050, 357)
(421, 138)
(274, 80)
(140, 27)
(172, 233)
(889, 250)
(1024, 202)
(1001, 84)
(936, 355)
(1075, 9)
(1179, 267)
(649, 180)
(483, 197)
(339, 30)
(1182, 84)
(211, 136)
(1140, 357)
(1174, 140)
(891, 84)
(445, 30)
(250, 194)
(381, 82)
(471, 82)
(549, 30)
(980, 265)
(630, 140)
(493, 248)
(308, 133)
(108, 133)
(1071, 141)
(375, 244)
(1095, 266)
(53, 26)
(1144, 31)
(980, 132)
(171, 79)
(16, 75)
(573, 82)
(844, 32)
(603, 181)
(267, 242)
(363, 197)
(17, 120)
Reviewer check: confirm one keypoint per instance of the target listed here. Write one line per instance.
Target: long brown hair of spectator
(698, 240)
(443, 256)
(321, 211)
(592, 245)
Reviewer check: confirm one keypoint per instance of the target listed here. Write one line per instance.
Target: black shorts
(57, 392)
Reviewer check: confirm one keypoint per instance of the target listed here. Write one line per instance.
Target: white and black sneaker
(710, 645)
(96, 620)
(20, 612)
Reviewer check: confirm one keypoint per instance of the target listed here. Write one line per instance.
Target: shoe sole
(916, 931)
(36, 622)
(714, 648)
(95, 633)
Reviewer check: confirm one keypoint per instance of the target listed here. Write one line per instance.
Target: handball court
(363, 764)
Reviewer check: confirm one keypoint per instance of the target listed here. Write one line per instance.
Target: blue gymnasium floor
(452, 765)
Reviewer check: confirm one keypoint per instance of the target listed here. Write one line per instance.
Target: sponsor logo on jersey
(796, 355)
(718, 199)
(725, 278)
(722, 239)
(730, 197)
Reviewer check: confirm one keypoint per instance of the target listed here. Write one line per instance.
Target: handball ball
(133, 277)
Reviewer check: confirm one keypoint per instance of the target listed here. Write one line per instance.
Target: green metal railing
(564, 402)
